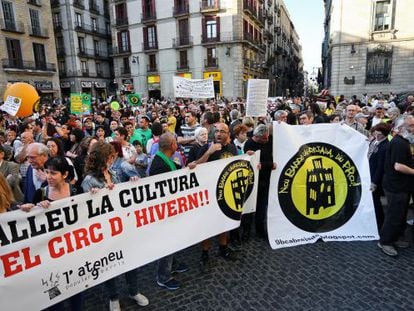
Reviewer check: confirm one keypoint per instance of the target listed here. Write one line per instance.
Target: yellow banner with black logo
(320, 189)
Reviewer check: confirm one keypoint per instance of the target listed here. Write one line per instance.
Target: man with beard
(221, 149)
(397, 184)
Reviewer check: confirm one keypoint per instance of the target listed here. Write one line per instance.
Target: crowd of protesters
(56, 154)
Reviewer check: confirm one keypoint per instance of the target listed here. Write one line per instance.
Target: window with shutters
(96, 47)
(8, 15)
(56, 20)
(123, 41)
(152, 62)
(150, 38)
(121, 15)
(211, 57)
(39, 56)
(183, 60)
(34, 20)
(15, 53)
(94, 24)
(81, 44)
(183, 31)
(382, 15)
(211, 29)
(79, 22)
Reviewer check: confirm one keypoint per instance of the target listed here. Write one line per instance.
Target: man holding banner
(221, 149)
(397, 184)
(163, 164)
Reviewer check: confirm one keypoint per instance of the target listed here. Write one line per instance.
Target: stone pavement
(321, 276)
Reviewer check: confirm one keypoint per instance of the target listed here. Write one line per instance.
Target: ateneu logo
(234, 186)
(319, 188)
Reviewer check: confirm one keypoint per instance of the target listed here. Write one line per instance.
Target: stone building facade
(83, 45)
(228, 40)
(368, 47)
(28, 53)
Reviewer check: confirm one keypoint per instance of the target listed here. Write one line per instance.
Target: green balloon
(115, 105)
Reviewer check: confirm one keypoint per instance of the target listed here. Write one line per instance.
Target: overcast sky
(308, 18)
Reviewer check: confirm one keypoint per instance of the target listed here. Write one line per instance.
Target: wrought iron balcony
(209, 5)
(248, 7)
(211, 62)
(85, 73)
(181, 9)
(27, 65)
(125, 70)
(35, 2)
(206, 39)
(121, 21)
(91, 53)
(57, 26)
(60, 51)
(149, 46)
(182, 41)
(148, 17)
(79, 4)
(93, 7)
(39, 32)
(152, 68)
(92, 29)
(183, 66)
(12, 26)
(121, 50)
(54, 3)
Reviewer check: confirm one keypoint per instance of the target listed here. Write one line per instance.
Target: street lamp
(135, 59)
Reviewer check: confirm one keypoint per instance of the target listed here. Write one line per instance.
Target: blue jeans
(132, 284)
(164, 267)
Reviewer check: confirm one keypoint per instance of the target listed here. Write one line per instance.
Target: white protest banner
(321, 186)
(256, 101)
(11, 105)
(79, 242)
(193, 88)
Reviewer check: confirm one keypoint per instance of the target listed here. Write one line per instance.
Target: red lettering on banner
(182, 205)
(171, 208)
(11, 265)
(141, 217)
(95, 238)
(160, 209)
(75, 240)
(116, 226)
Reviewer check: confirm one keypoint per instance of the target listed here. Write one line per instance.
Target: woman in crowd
(6, 195)
(98, 175)
(240, 134)
(201, 137)
(100, 133)
(376, 157)
(76, 137)
(57, 171)
(79, 162)
(55, 147)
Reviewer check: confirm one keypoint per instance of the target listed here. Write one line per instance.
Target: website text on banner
(84, 240)
(321, 186)
(193, 88)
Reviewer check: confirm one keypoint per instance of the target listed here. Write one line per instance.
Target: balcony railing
(152, 68)
(125, 70)
(147, 46)
(121, 21)
(60, 52)
(54, 3)
(209, 5)
(211, 62)
(149, 16)
(85, 73)
(39, 32)
(93, 7)
(248, 7)
(57, 26)
(207, 39)
(183, 66)
(34, 2)
(79, 4)
(179, 10)
(182, 41)
(121, 50)
(91, 53)
(91, 29)
(12, 26)
(25, 65)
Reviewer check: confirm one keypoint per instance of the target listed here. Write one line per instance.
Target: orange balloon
(28, 95)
